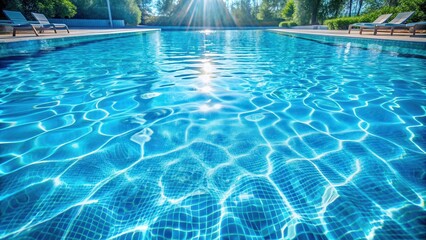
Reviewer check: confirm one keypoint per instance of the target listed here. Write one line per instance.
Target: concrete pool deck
(50, 34)
(397, 36)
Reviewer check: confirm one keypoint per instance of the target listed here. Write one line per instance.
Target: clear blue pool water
(212, 135)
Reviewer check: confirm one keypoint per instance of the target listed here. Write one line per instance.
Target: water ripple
(213, 135)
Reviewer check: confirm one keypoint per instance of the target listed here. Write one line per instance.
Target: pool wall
(28, 47)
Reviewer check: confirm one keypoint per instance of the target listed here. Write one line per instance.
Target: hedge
(287, 24)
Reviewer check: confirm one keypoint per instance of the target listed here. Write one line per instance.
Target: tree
(419, 6)
(83, 8)
(359, 7)
(276, 7)
(331, 8)
(266, 11)
(212, 13)
(127, 10)
(243, 12)
(316, 4)
(166, 7)
(350, 8)
(307, 11)
(144, 6)
(288, 10)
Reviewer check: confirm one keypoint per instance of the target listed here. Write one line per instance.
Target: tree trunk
(315, 10)
(350, 8)
(359, 7)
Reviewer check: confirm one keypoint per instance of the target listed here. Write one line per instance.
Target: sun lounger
(19, 22)
(381, 19)
(397, 22)
(46, 24)
(415, 25)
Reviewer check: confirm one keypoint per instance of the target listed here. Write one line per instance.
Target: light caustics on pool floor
(208, 135)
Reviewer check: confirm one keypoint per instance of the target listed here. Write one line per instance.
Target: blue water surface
(213, 135)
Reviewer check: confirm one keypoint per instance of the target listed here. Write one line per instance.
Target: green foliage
(404, 6)
(63, 8)
(237, 12)
(166, 7)
(331, 8)
(50, 8)
(83, 7)
(212, 13)
(158, 21)
(287, 24)
(273, 22)
(265, 11)
(342, 23)
(146, 9)
(301, 14)
(128, 10)
(242, 12)
(288, 10)
(307, 11)
(419, 6)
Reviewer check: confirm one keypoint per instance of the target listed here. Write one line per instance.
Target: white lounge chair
(397, 22)
(414, 26)
(46, 24)
(19, 22)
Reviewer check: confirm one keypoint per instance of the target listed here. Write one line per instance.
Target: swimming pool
(207, 135)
